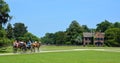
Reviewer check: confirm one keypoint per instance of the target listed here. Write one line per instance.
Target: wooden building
(99, 39)
(93, 38)
(87, 38)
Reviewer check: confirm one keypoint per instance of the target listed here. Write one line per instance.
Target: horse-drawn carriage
(25, 46)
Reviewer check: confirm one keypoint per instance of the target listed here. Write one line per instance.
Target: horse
(19, 46)
(35, 45)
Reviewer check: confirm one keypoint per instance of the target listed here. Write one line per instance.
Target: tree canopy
(72, 35)
(103, 26)
(19, 30)
(74, 31)
(4, 13)
(113, 37)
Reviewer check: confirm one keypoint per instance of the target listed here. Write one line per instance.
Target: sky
(50, 16)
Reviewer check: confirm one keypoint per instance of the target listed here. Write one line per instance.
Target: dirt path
(107, 50)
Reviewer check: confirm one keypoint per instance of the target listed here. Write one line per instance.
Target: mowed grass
(64, 57)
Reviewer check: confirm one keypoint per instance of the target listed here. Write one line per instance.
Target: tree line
(74, 34)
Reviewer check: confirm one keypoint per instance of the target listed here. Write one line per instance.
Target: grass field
(66, 57)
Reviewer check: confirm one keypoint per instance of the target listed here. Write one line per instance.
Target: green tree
(19, 30)
(85, 28)
(3, 39)
(60, 38)
(29, 36)
(4, 13)
(3, 33)
(9, 31)
(117, 24)
(73, 32)
(79, 39)
(103, 26)
(113, 37)
(48, 38)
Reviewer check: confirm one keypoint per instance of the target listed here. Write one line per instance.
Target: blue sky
(42, 16)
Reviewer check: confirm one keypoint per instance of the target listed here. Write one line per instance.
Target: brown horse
(18, 45)
(35, 45)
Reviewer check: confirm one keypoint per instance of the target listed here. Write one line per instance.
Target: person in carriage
(28, 44)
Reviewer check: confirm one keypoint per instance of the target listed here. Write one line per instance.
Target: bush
(5, 42)
(68, 43)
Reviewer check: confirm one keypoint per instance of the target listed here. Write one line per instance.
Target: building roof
(87, 34)
(98, 34)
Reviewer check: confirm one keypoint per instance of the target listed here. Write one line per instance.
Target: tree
(9, 31)
(79, 39)
(48, 38)
(85, 28)
(4, 18)
(60, 38)
(19, 30)
(113, 37)
(3, 39)
(3, 33)
(117, 24)
(29, 36)
(74, 31)
(103, 26)
(4, 13)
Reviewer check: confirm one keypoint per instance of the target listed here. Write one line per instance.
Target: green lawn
(64, 57)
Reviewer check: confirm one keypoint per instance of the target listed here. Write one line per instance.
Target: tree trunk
(0, 26)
